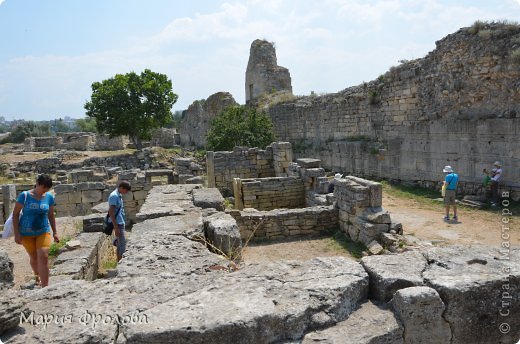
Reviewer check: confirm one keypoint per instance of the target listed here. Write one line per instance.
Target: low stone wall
(105, 142)
(78, 199)
(165, 137)
(282, 223)
(269, 193)
(246, 163)
(361, 215)
(84, 261)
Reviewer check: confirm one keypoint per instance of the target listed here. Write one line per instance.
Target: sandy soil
(66, 226)
(301, 249)
(473, 226)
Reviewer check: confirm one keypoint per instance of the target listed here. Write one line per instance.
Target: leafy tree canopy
(240, 125)
(132, 104)
(87, 125)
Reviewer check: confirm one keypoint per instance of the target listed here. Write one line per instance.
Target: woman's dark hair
(45, 180)
(125, 184)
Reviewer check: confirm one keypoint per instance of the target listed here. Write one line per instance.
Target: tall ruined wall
(459, 106)
(196, 120)
(263, 75)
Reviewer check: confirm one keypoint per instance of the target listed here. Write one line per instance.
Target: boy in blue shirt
(117, 216)
(450, 181)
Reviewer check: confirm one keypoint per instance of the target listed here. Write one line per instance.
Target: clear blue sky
(51, 51)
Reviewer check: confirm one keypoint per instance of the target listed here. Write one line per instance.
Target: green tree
(59, 126)
(240, 125)
(87, 125)
(176, 121)
(132, 104)
(28, 129)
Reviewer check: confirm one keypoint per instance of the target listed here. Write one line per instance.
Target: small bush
(515, 56)
(373, 97)
(485, 34)
(54, 250)
(477, 26)
(110, 264)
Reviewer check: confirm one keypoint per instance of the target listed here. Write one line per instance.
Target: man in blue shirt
(450, 181)
(117, 216)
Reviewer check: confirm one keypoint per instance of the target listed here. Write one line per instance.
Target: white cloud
(327, 46)
(1, 1)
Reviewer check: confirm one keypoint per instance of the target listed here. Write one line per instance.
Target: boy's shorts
(449, 197)
(33, 243)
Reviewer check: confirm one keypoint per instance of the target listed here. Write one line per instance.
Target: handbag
(108, 227)
(8, 225)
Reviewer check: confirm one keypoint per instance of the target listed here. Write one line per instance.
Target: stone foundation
(247, 163)
(269, 193)
(285, 223)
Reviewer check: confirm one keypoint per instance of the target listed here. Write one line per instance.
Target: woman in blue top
(33, 229)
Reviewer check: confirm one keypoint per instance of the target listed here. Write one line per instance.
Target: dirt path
(473, 226)
(66, 226)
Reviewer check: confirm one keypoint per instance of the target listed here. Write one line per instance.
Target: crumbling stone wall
(263, 75)
(457, 106)
(165, 137)
(269, 193)
(79, 199)
(75, 141)
(361, 215)
(105, 142)
(196, 119)
(39, 144)
(247, 163)
(280, 223)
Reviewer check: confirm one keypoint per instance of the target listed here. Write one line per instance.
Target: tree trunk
(137, 142)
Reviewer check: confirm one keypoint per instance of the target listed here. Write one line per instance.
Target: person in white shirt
(496, 177)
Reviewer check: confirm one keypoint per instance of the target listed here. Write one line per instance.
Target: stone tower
(263, 75)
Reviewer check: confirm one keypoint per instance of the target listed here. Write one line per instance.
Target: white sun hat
(447, 169)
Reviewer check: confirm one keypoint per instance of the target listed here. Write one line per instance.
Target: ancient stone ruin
(196, 120)
(184, 277)
(456, 106)
(263, 74)
(171, 287)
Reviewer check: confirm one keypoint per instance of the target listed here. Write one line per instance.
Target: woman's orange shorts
(32, 243)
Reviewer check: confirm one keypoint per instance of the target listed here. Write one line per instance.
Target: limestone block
(91, 196)
(389, 273)
(93, 222)
(11, 305)
(369, 231)
(473, 280)
(378, 324)
(75, 197)
(208, 198)
(374, 247)
(61, 198)
(140, 195)
(64, 188)
(420, 310)
(377, 215)
(6, 270)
